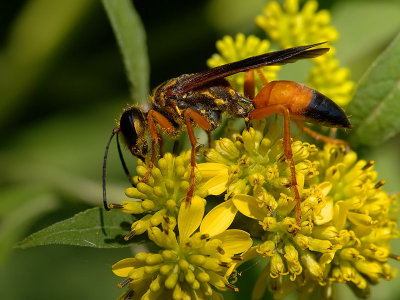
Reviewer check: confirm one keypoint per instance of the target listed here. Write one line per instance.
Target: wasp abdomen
(324, 111)
(303, 103)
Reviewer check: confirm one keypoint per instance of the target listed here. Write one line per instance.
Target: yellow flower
(253, 164)
(346, 216)
(160, 198)
(327, 77)
(191, 265)
(214, 178)
(242, 47)
(290, 27)
(347, 219)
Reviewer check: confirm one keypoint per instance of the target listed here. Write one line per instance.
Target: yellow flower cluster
(347, 220)
(192, 264)
(361, 216)
(161, 195)
(242, 47)
(327, 77)
(291, 27)
(254, 159)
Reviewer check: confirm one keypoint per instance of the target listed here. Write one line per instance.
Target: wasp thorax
(132, 125)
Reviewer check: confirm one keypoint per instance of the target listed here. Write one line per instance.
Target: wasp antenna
(121, 157)
(114, 132)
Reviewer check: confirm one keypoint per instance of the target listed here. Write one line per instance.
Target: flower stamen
(394, 256)
(124, 282)
(232, 287)
(115, 206)
(368, 165)
(379, 184)
(130, 235)
(129, 295)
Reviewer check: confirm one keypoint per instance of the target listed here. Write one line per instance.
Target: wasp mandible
(200, 99)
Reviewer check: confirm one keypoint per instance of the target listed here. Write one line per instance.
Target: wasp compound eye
(132, 126)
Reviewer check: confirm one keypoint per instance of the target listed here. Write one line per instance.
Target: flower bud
(277, 268)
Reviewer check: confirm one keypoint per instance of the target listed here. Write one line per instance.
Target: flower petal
(219, 218)
(249, 206)
(361, 219)
(339, 215)
(325, 187)
(326, 214)
(235, 241)
(214, 178)
(190, 216)
(209, 170)
(123, 267)
(215, 185)
(218, 281)
(250, 254)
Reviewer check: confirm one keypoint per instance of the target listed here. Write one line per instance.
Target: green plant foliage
(92, 228)
(32, 203)
(375, 108)
(29, 53)
(358, 35)
(131, 39)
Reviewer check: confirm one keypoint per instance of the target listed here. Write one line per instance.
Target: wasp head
(132, 126)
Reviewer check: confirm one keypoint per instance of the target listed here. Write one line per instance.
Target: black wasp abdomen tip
(324, 111)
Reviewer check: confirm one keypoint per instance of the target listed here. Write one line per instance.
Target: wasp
(200, 99)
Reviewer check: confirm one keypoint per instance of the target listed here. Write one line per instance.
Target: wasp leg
(189, 115)
(209, 138)
(175, 147)
(317, 136)
(249, 84)
(160, 145)
(264, 112)
(248, 91)
(163, 121)
(261, 74)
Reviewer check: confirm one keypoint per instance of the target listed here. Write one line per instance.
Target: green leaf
(358, 35)
(375, 109)
(94, 227)
(131, 39)
(41, 30)
(21, 207)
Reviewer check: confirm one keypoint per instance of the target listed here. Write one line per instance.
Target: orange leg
(262, 77)
(317, 136)
(160, 146)
(163, 121)
(260, 113)
(190, 114)
(249, 84)
(209, 138)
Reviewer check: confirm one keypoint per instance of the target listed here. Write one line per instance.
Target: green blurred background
(62, 86)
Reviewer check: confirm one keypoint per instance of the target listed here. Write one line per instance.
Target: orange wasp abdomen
(303, 103)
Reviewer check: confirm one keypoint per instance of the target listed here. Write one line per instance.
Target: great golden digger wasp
(200, 99)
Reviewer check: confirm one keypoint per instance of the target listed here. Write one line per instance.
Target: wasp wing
(275, 58)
